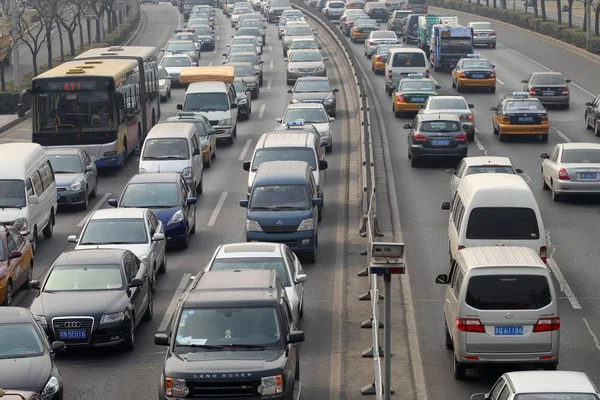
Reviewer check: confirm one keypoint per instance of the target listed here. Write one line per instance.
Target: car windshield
(203, 30)
(490, 169)
(446, 104)
(309, 85)
(508, 292)
(337, 4)
(176, 62)
(307, 115)
(248, 32)
(223, 328)
(162, 73)
(238, 87)
(242, 70)
(166, 149)
(440, 126)
(581, 156)
(284, 154)
(206, 102)
(556, 396)
(68, 164)
(251, 24)
(281, 197)
(356, 17)
(73, 278)
(306, 56)
(547, 79)
(366, 22)
(503, 223)
(383, 35)
(238, 41)
(186, 37)
(173, 47)
(276, 264)
(415, 85)
(304, 44)
(12, 193)
(299, 31)
(523, 105)
(251, 58)
(474, 64)
(151, 195)
(20, 341)
(114, 231)
(478, 26)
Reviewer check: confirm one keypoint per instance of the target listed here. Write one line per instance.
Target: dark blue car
(170, 199)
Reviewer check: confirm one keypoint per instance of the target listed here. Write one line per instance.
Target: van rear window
(510, 223)
(409, 60)
(508, 292)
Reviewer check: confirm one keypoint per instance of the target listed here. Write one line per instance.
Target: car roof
(312, 78)
(438, 117)
(304, 39)
(240, 64)
(171, 130)
(156, 177)
(501, 256)
(306, 105)
(448, 97)
(245, 53)
(547, 73)
(491, 185)
(206, 87)
(14, 315)
(244, 250)
(90, 256)
(484, 160)
(580, 146)
(282, 173)
(179, 41)
(176, 55)
(110, 213)
(274, 140)
(243, 37)
(550, 382)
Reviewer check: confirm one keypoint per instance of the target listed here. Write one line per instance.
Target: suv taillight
(532, 92)
(547, 325)
(427, 74)
(469, 325)
(543, 254)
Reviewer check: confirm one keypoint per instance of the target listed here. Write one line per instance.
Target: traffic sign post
(387, 260)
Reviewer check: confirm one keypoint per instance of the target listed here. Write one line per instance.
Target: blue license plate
(307, 75)
(515, 330)
(548, 93)
(525, 119)
(418, 99)
(174, 79)
(72, 334)
(588, 175)
(440, 142)
(477, 76)
(57, 196)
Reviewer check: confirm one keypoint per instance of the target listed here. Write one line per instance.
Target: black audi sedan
(26, 356)
(94, 298)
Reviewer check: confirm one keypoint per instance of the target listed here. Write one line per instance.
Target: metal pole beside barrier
(387, 336)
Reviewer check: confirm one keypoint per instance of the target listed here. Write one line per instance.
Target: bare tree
(8, 47)
(570, 13)
(110, 14)
(69, 17)
(543, 6)
(559, 11)
(33, 37)
(97, 7)
(597, 19)
(47, 9)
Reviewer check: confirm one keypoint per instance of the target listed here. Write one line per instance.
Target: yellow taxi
(16, 263)
(519, 114)
(362, 28)
(207, 136)
(355, 4)
(380, 56)
(474, 72)
(412, 93)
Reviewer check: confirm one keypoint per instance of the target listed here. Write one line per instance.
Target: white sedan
(480, 165)
(134, 229)
(571, 168)
(275, 256)
(314, 114)
(164, 84)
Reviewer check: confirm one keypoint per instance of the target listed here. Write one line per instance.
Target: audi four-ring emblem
(72, 324)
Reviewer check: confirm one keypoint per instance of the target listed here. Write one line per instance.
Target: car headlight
(271, 385)
(142, 171)
(176, 387)
(307, 225)
(226, 121)
(251, 84)
(187, 172)
(41, 320)
(329, 101)
(177, 217)
(253, 226)
(320, 68)
(76, 187)
(242, 101)
(52, 386)
(110, 153)
(21, 224)
(291, 69)
(111, 318)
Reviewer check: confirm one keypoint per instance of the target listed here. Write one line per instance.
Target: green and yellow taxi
(520, 114)
(411, 94)
(362, 28)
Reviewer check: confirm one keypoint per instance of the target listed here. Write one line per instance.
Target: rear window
(337, 5)
(508, 292)
(409, 60)
(548, 79)
(510, 223)
(581, 156)
(456, 46)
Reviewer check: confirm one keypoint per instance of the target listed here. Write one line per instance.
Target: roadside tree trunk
(559, 11)
(543, 5)
(597, 20)
(61, 42)
(570, 14)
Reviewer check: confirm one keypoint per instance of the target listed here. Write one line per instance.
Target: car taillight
(460, 247)
(544, 118)
(390, 74)
(419, 138)
(466, 117)
(547, 325)
(372, 43)
(532, 92)
(427, 74)
(461, 138)
(492, 34)
(565, 92)
(475, 34)
(469, 325)
(463, 75)
(543, 255)
(400, 99)
(492, 74)
(349, 24)
(378, 58)
(563, 175)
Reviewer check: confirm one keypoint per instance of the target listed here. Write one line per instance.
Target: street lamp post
(14, 25)
(588, 23)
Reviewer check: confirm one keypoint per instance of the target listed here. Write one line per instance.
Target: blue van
(284, 208)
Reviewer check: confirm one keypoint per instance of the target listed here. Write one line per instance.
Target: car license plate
(418, 99)
(440, 142)
(477, 76)
(525, 119)
(588, 175)
(174, 79)
(307, 75)
(72, 334)
(57, 196)
(389, 42)
(548, 93)
(515, 330)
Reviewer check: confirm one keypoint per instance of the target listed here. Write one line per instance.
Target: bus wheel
(153, 118)
(124, 152)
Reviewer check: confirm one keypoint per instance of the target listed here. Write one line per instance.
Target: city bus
(96, 102)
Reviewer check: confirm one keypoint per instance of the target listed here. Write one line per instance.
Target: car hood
(61, 304)
(174, 70)
(253, 79)
(28, 373)
(9, 215)
(322, 128)
(164, 165)
(68, 179)
(137, 249)
(305, 64)
(313, 96)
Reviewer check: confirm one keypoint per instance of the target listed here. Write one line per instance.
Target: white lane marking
(261, 113)
(594, 337)
(245, 150)
(480, 145)
(269, 82)
(543, 66)
(210, 64)
(167, 318)
(218, 37)
(499, 81)
(217, 210)
(563, 136)
(564, 286)
(271, 64)
(435, 82)
(270, 48)
(97, 206)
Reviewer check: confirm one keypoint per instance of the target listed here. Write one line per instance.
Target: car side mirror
(471, 105)
(587, 103)
(323, 144)
(493, 66)
(465, 126)
(285, 59)
(158, 237)
(445, 205)
(437, 87)
(290, 91)
(112, 202)
(331, 119)
(162, 50)
(544, 155)
(224, 54)
(190, 201)
(33, 199)
(194, 64)
(524, 81)
(136, 282)
(319, 47)
(212, 132)
(568, 80)
(180, 107)
(296, 337)
(479, 396)
(441, 279)
(323, 165)
(280, 120)
(406, 126)
(261, 62)
(325, 58)
(15, 254)
(300, 278)
(244, 203)
(317, 202)
(315, 33)
(257, 73)
(89, 168)
(161, 339)
(35, 284)
(451, 171)
(518, 170)
(120, 100)
(58, 346)
(336, 90)
(246, 165)
(196, 152)
(493, 109)
(227, 45)
(72, 238)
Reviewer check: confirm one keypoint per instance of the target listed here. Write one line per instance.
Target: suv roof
(241, 250)
(270, 140)
(282, 173)
(501, 256)
(550, 382)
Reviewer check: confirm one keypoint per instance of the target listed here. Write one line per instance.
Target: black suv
(231, 337)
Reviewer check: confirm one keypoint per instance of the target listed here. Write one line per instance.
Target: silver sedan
(456, 105)
(379, 37)
(571, 168)
(305, 63)
(483, 34)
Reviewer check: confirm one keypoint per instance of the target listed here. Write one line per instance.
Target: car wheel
(129, 343)
(500, 136)
(471, 137)
(493, 45)
(544, 184)
(150, 308)
(169, 94)
(556, 197)
(596, 128)
(413, 162)
(29, 275)
(49, 229)
(587, 123)
(163, 266)
(312, 256)
(208, 163)
(86, 203)
(448, 341)
(495, 131)
(200, 187)
(153, 279)
(94, 192)
(34, 240)
(329, 148)
(460, 370)
(453, 84)
(8, 296)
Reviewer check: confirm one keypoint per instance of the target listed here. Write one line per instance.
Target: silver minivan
(500, 307)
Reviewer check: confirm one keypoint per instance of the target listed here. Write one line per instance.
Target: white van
(401, 62)
(494, 210)
(217, 102)
(28, 198)
(174, 147)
